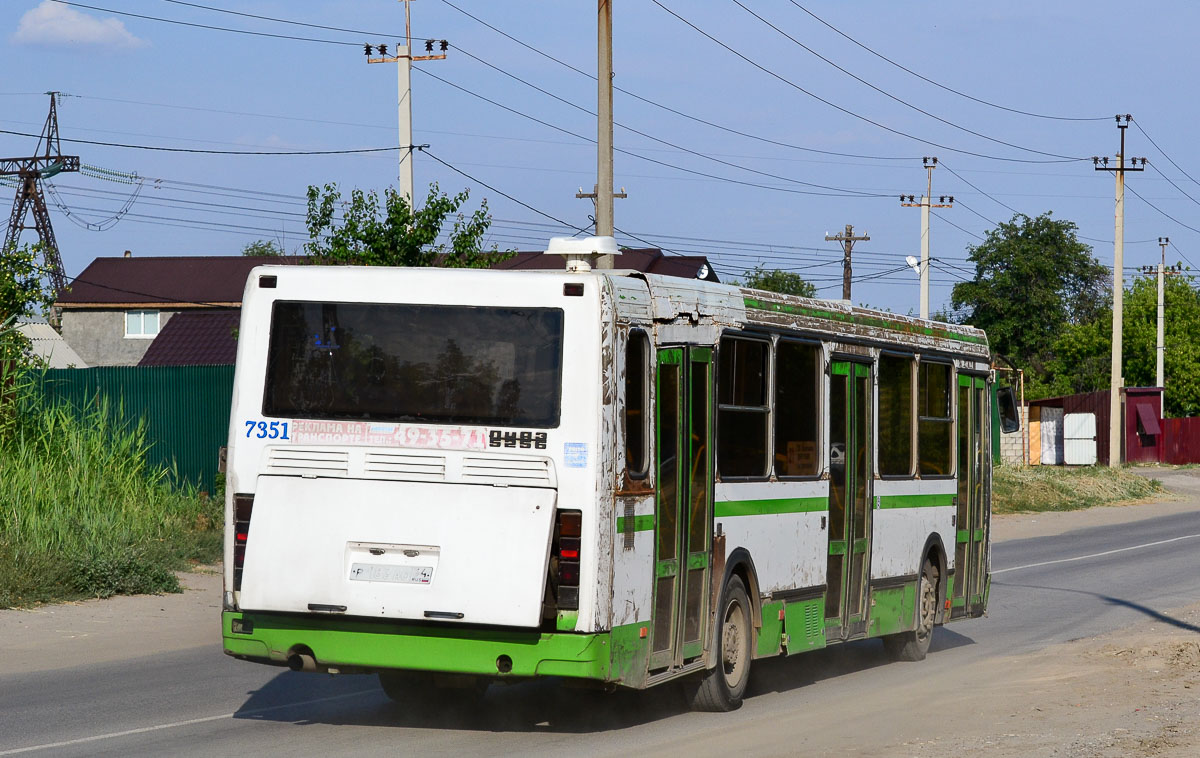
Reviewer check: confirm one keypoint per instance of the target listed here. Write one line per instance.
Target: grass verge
(83, 515)
(1035, 489)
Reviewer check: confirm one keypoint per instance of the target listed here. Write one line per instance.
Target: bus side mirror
(1010, 419)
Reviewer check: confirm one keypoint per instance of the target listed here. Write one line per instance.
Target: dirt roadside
(1133, 692)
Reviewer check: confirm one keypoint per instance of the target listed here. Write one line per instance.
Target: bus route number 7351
(275, 430)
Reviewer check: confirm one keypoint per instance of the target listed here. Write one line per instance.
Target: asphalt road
(198, 702)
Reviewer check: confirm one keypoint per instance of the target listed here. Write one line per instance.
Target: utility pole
(930, 163)
(604, 118)
(1114, 401)
(30, 171)
(847, 239)
(1161, 346)
(405, 58)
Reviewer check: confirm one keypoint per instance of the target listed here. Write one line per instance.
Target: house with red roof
(115, 311)
(184, 310)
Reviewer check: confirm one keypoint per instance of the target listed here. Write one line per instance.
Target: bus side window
(742, 408)
(934, 422)
(637, 414)
(895, 415)
(797, 408)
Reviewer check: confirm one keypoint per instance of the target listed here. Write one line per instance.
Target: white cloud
(52, 23)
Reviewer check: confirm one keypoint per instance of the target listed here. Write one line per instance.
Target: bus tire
(914, 645)
(722, 688)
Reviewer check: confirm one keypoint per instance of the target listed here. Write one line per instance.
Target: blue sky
(144, 82)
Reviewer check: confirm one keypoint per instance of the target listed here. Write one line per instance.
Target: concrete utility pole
(847, 239)
(930, 163)
(604, 118)
(404, 58)
(1114, 402)
(1161, 347)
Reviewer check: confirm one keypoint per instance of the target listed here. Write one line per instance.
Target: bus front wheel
(912, 646)
(722, 688)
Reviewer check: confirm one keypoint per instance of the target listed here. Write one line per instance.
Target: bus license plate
(375, 572)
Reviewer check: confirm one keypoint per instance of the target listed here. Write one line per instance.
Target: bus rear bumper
(362, 644)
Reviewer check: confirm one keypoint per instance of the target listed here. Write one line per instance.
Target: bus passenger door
(683, 512)
(970, 552)
(850, 475)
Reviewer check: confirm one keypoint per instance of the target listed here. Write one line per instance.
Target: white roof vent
(581, 251)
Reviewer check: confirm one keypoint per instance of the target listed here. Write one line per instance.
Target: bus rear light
(570, 523)
(243, 505)
(565, 559)
(568, 548)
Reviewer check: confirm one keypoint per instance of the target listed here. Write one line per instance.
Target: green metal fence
(185, 408)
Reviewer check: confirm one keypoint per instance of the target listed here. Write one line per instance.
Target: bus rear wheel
(914, 645)
(722, 688)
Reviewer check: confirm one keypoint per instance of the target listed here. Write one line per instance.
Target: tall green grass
(82, 514)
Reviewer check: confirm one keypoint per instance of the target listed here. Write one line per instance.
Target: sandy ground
(1131, 693)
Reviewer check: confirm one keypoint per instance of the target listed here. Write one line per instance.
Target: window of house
(797, 405)
(742, 408)
(895, 415)
(141, 323)
(637, 354)
(934, 420)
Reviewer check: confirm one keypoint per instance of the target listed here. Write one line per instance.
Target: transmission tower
(46, 162)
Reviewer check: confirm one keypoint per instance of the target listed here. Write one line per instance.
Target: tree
(263, 248)
(1033, 279)
(1081, 358)
(775, 280)
(392, 233)
(24, 292)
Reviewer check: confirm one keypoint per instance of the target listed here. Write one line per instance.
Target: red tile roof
(172, 282)
(180, 281)
(195, 338)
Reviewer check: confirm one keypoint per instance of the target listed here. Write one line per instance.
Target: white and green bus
(446, 476)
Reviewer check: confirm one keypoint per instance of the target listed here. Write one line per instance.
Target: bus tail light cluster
(566, 552)
(242, 506)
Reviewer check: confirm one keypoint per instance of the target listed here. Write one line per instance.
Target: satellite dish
(913, 263)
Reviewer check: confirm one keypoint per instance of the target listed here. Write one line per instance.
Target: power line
(208, 26)
(1181, 255)
(1164, 153)
(846, 111)
(656, 104)
(680, 148)
(277, 20)
(887, 94)
(844, 193)
(161, 148)
(1160, 210)
(969, 184)
(938, 84)
(521, 203)
(1173, 184)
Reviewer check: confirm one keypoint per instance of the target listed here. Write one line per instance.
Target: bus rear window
(435, 364)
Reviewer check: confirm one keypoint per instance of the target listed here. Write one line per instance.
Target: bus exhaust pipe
(302, 662)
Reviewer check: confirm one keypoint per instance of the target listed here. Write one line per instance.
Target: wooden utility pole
(1163, 270)
(930, 163)
(604, 119)
(405, 58)
(1115, 426)
(847, 239)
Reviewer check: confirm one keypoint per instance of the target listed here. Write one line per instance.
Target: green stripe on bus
(915, 501)
(762, 507)
(640, 523)
(847, 318)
